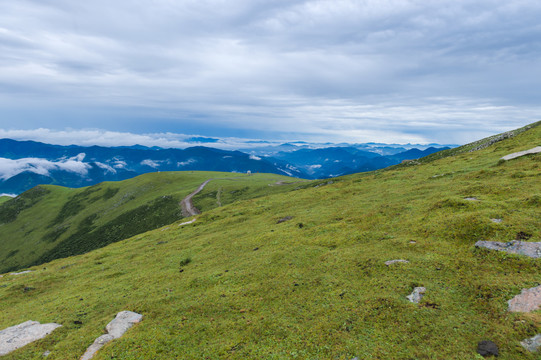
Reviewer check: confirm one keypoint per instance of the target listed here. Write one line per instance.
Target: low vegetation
(51, 222)
(239, 284)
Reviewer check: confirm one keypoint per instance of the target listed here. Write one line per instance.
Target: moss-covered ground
(236, 284)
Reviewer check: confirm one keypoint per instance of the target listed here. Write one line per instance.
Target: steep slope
(236, 284)
(50, 222)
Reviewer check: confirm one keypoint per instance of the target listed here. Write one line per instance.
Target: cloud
(10, 167)
(152, 163)
(106, 167)
(187, 162)
(345, 69)
(253, 157)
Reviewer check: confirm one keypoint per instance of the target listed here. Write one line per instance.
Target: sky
(396, 71)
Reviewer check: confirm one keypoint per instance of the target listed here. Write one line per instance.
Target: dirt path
(187, 205)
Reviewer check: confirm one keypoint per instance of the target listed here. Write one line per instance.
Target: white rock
(23, 334)
(535, 150)
(390, 262)
(532, 344)
(116, 328)
(416, 295)
(123, 321)
(20, 273)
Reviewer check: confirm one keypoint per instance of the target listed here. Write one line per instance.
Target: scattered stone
(531, 249)
(15, 337)
(535, 150)
(256, 248)
(413, 242)
(528, 300)
(284, 219)
(116, 328)
(487, 348)
(390, 262)
(28, 288)
(20, 273)
(46, 353)
(416, 295)
(471, 199)
(532, 344)
(497, 221)
(187, 222)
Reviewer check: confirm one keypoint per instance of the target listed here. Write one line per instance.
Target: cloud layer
(344, 70)
(10, 167)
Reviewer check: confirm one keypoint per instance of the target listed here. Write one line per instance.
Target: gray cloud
(394, 70)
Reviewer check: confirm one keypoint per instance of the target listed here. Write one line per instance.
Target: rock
(531, 249)
(284, 219)
(528, 300)
(46, 353)
(416, 295)
(390, 262)
(15, 337)
(535, 150)
(20, 273)
(116, 328)
(497, 221)
(471, 199)
(487, 348)
(532, 344)
(98, 344)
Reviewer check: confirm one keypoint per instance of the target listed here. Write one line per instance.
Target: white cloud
(151, 163)
(253, 157)
(106, 167)
(187, 162)
(10, 167)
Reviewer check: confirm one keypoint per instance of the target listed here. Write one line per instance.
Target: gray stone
(390, 262)
(20, 273)
(15, 337)
(416, 295)
(531, 249)
(284, 219)
(46, 353)
(535, 150)
(528, 300)
(487, 348)
(497, 221)
(471, 199)
(123, 321)
(532, 344)
(116, 328)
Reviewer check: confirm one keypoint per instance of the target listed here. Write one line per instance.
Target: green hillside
(50, 222)
(237, 284)
(3, 199)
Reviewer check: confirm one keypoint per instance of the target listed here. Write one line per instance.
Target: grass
(315, 286)
(3, 199)
(50, 222)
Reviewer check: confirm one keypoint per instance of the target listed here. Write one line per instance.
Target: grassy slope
(51, 222)
(3, 199)
(257, 289)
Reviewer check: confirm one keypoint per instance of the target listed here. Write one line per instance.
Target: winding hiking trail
(187, 205)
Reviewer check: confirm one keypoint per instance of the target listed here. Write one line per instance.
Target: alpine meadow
(282, 268)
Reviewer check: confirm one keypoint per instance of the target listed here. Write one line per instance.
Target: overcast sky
(341, 71)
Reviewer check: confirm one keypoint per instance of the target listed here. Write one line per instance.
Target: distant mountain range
(25, 164)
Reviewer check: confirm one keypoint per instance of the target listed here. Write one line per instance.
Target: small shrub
(185, 261)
